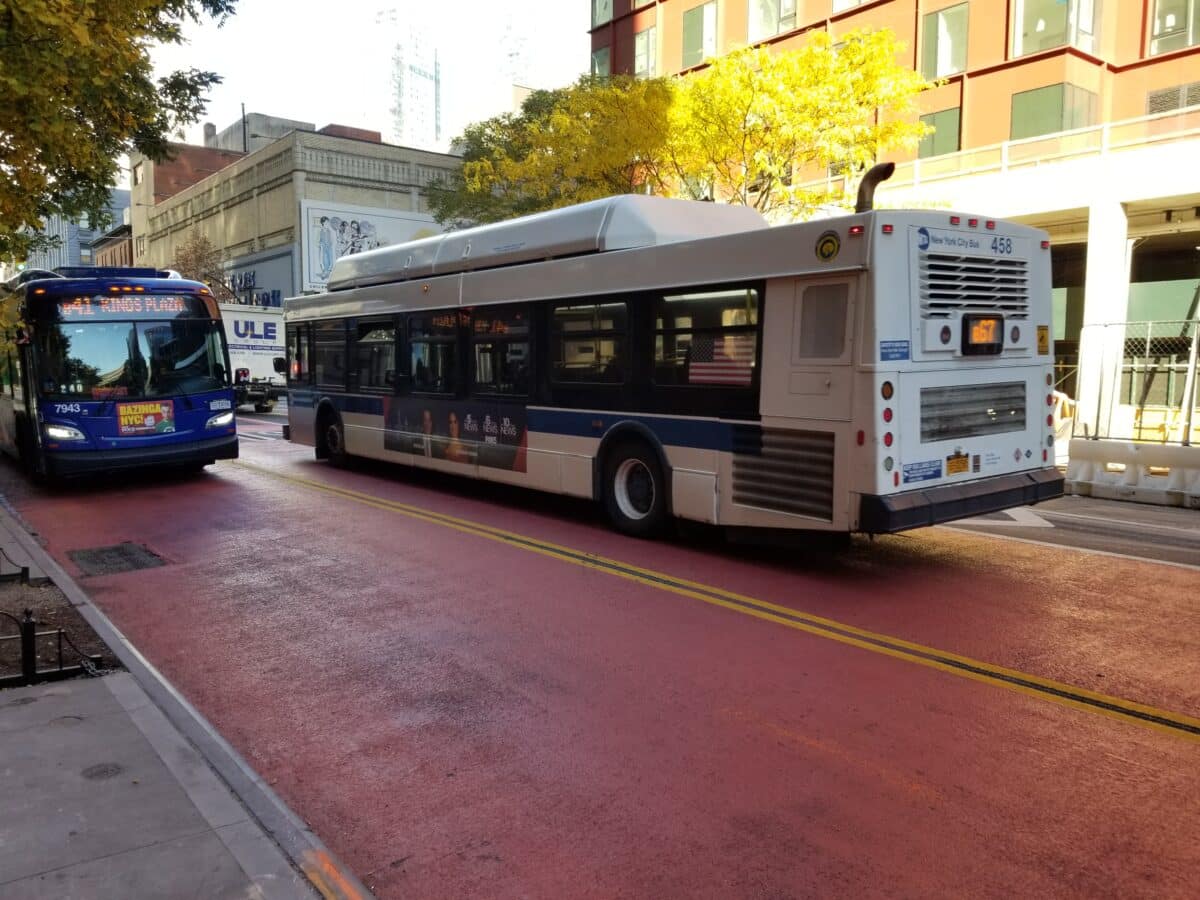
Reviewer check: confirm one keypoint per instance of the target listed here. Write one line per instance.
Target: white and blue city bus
(111, 368)
(873, 372)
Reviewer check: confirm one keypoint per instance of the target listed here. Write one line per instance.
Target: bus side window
(587, 343)
(706, 338)
(329, 357)
(299, 371)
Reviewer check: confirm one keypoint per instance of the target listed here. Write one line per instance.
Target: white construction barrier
(1168, 475)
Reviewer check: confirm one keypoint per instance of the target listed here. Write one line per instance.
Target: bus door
(807, 342)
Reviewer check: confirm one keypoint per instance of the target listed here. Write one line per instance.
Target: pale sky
(330, 62)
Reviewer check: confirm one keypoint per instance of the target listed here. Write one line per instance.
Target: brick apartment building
(1079, 116)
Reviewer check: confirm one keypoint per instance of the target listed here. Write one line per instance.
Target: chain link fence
(1145, 388)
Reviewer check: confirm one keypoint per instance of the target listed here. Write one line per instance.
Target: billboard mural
(464, 431)
(332, 231)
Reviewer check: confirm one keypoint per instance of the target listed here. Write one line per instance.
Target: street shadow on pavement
(810, 552)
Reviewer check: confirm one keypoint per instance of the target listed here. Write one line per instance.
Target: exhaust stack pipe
(866, 190)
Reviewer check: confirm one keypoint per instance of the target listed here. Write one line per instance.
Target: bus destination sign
(125, 306)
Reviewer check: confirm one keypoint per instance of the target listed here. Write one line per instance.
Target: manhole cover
(109, 560)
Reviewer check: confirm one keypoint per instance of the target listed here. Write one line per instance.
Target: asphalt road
(472, 690)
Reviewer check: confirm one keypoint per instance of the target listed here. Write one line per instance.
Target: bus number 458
(1001, 245)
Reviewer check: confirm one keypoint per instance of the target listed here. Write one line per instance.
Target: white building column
(1106, 300)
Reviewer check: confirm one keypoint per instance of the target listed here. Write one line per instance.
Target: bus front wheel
(332, 443)
(635, 491)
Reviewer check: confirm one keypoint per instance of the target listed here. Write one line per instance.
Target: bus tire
(263, 407)
(332, 440)
(635, 490)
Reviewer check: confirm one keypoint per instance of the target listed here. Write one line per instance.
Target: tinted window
(587, 343)
(330, 354)
(706, 338)
(375, 355)
(433, 343)
(298, 362)
(500, 348)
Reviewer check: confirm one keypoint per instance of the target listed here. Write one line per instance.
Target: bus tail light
(1045, 245)
(1045, 456)
(887, 414)
(887, 390)
(862, 437)
(1050, 420)
(856, 230)
(974, 223)
(888, 439)
(955, 220)
(887, 229)
(241, 376)
(896, 479)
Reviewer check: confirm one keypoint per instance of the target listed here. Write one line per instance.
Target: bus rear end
(960, 395)
(124, 373)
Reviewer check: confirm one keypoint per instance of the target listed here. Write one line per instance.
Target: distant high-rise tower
(417, 91)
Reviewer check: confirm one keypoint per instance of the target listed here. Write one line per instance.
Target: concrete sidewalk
(104, 798)
(116, 787)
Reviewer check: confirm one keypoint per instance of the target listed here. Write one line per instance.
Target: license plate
(957, 465)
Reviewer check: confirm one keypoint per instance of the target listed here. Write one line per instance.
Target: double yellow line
(830, 629)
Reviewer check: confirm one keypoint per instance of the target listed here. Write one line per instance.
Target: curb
(329, 876)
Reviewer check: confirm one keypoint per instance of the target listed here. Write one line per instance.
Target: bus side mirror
(280, 365)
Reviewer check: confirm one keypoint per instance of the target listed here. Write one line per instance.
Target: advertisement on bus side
(462, 431)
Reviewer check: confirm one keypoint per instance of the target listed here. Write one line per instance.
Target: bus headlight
(220, 420)
(63, 433)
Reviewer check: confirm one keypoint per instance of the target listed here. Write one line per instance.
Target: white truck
(255, 337)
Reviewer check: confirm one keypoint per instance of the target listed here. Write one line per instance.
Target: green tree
(77, 93)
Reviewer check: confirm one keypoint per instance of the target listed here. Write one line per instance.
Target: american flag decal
(721, 359)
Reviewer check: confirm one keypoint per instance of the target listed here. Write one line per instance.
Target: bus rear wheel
(635, 492)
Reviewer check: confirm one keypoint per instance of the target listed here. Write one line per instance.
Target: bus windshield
(103, 360)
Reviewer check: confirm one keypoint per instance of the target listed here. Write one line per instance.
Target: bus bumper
(913, 509)
(82, 462)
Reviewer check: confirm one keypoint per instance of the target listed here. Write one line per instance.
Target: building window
(944, 138)
(1046, 24)
(1176, 25)
(602, 62)
(139, 173)
(771, 17)
(944, 42)
(601, 12)
(645, 53)
(699, 34)
(141, 245)
(1050, 109)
